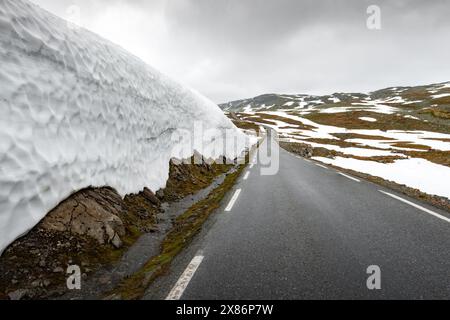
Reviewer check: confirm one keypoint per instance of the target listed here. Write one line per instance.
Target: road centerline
(437, 215)
(185, 278)
(233, 200)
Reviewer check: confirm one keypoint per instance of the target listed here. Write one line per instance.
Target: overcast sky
(233, 49)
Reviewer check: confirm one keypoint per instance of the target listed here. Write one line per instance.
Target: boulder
(160, 194)
(150, 196)
(91, 212)
(17, 294)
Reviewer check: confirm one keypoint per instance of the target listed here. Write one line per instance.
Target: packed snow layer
(339, 109)
(442, 95)
(248, 108)
(416, 173)
(334, 99)
(396, 99)
(411, 117)
(79, 111)
(369, 119)
(376, 106)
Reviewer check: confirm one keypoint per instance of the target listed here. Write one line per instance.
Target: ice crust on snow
(79, 111)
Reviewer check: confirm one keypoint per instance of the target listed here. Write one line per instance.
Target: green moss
(186, 179)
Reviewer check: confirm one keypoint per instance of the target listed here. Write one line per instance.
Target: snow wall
(78, 111)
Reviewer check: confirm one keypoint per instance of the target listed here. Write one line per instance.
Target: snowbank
(77, 110)
(416, 173)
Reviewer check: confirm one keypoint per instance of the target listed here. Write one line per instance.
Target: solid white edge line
(185, 278)
(349, 177)
(306, 160)
(437, 215)
(246, 175)
(233, 200)
(319, 165)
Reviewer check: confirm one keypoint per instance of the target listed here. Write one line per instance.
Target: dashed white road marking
(246, 175)
(302, 158)
(233, 200)
(251, 165)
(183, 281)
(349, 177)
(319, 165)
(437, 215)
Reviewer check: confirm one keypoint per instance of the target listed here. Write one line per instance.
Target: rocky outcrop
(91, 212)
(302, 149)
(187, 177)
(150, 196)
(91, 228)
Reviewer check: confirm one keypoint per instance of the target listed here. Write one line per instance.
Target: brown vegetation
(186, 227)
(410, 145)
(350, 120)
(345, 136)
(246, 125)
(435, 156)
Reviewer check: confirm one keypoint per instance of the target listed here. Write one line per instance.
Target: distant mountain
(400, 135)
(435, 96)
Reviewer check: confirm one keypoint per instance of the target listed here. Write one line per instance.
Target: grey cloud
(233, 49)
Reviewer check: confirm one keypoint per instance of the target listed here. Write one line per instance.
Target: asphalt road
(310, 233)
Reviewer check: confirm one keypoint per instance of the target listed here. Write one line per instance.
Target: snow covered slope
(400, 134)
(388, 101)
(77, 110)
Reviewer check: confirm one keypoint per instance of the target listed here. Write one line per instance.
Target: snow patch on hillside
(370, 119)
(441, 95)
(77, 110)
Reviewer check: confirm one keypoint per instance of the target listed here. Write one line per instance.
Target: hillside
(398, 134)
(416, 101)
